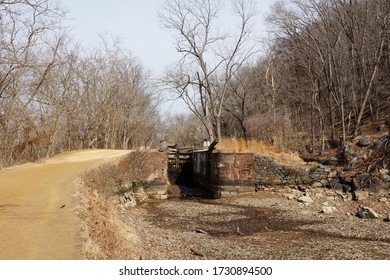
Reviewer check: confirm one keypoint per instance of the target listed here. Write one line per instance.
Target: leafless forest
(320, 75)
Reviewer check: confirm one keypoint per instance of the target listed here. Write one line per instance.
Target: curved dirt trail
(36, 203)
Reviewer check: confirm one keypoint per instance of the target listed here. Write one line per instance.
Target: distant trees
(55, 96)
(184, 130)
(112, 102)
(210, 59)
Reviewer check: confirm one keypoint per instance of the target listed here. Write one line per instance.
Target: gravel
(264, 225)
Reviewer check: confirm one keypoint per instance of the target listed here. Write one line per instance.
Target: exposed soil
(263, 225)
(37, 220)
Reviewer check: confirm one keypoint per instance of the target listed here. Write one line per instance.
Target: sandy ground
(37, 220)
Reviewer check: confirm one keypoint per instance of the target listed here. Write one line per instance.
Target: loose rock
(328, 209)
(367, 213)
(385, 178)
(317, 185)
(363, 142)
(305, 199)
(359, 195)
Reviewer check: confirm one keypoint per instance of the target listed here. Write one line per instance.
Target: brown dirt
(263, 225)
(37, 220)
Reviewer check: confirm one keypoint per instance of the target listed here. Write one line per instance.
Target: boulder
(305, 199)
(291, 197)
(347, 197)
(385, 178)
(140, 195)
(363, 142)
(383, 171)
(302, 188)
(384, 142)
(328, 209)
(359, 195)
(319, 195)
(366, 213)
(316, 185)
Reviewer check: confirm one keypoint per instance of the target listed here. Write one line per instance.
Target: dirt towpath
(36, 206)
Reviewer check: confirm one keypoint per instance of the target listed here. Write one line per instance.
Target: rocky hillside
(362, 163)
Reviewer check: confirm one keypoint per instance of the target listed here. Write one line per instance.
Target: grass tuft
(260, 149)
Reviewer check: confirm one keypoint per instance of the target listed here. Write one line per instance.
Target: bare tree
(54, 96)
(210, 59)
(332, 53)
(184, 130)
(28, 51)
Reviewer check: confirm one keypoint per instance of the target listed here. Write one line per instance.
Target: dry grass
(260, 149)
(103, 234)
(108, 178)
(242, 146)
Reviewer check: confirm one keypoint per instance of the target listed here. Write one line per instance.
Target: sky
(136, 22)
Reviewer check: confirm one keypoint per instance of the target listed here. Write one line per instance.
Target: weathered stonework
(269, 173)
(223, 174)
(226, 174)
(152, 184)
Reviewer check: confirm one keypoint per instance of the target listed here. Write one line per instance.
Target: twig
(239, 232)
(196, 253)
(200, 231)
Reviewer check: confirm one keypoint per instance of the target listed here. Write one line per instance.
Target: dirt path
(36, 217)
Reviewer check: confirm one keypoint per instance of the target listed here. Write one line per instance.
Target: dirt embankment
(37, 220)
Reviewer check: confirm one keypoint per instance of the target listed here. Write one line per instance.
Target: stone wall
(268, 173)
(225, 174)
(152, 184)
(156, 167)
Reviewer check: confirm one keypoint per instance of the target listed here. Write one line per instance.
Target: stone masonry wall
(225, 174)
(268, 173)
(153, 183)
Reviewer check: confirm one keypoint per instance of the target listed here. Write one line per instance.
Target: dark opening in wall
(180, 167)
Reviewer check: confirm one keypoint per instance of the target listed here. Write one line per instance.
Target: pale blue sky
(137, 23)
